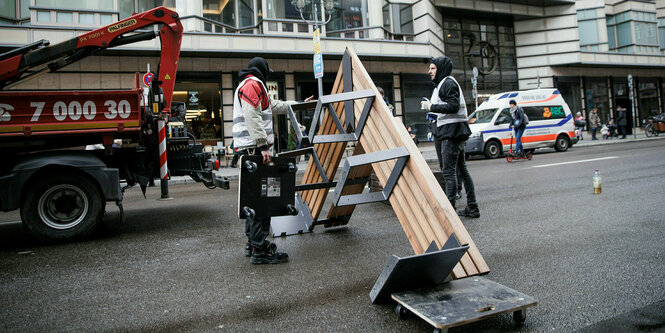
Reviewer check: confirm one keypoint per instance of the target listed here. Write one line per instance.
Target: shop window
(348, 14)
(597, 97)
(648, 97)
(203, 104)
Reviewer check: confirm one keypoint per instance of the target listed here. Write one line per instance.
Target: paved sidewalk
(427, 149)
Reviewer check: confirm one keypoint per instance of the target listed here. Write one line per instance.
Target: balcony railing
(292, 27)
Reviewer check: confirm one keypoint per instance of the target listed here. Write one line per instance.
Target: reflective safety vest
(241, 137)
(449, 118)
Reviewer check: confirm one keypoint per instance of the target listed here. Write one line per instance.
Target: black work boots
(266, 255)
(470, 211)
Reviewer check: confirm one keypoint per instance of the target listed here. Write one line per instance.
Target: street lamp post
(328, 5)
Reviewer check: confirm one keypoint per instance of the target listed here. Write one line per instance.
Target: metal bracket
(423, 270)
(317, 162)
(343, 136)
(400, 153)
(293, 225)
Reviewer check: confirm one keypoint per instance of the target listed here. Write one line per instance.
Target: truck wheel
(492, 149)
(562, 143)
(62, 207)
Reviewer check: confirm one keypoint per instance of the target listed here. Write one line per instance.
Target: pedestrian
(604, 131)
(452, 131)
(253, 135)
(594, 122)
(234, 159)
(520, 120)
(391, 108)
(621, 121)
(580, 122)
(612, 128)
(413, 135)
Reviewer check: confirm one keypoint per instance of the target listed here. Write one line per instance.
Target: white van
(550, 123)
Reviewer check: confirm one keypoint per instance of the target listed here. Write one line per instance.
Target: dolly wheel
(509, 159)
(519, 316)
(402, 312)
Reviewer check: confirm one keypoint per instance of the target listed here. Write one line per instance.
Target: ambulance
(550, 125)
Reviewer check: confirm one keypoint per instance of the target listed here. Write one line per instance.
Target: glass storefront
(647, 92)
(202, 97)
(570, 90)
(596, 96)
(414, 88)
(621, 96)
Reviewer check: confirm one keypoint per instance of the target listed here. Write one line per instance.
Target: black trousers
(452, 154)
(437, 147)
(256, 230)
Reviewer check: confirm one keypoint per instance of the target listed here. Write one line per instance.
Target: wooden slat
(417, 199)
(434, 199)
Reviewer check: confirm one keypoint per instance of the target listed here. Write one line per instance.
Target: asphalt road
(178, 265)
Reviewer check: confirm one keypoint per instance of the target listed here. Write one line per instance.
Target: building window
(222, 11)
(661, 32)
(64, 17)
(624, 35)
(348, 14)
(588, 32)
(88, 19)
(15, 11)
(246, 13)
(129, 7)
(284, 9)
(43, 16)
(398, 18)
(587, 22)
(105, 19)
(76, 4)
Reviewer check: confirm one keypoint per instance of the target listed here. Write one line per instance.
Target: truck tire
(492, 149)
(63, 207)
(562, 143)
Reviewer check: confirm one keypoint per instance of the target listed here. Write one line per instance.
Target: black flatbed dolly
(461, 302)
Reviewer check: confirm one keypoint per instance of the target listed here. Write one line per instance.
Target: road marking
(10, 223)
(573, 162)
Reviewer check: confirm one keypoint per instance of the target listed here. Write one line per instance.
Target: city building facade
(585, 48)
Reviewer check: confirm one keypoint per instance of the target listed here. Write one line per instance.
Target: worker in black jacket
(452, 131)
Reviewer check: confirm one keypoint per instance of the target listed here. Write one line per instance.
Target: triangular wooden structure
(417, 198)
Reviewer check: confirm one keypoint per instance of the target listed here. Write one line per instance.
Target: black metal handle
(292, 209)
(251, 166)
(249, 213)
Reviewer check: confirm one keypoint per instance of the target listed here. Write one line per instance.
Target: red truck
(62, 189)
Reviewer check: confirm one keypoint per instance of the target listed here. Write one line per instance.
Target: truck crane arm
(39, 56)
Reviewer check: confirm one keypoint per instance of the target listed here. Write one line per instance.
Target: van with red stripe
(550, 125)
